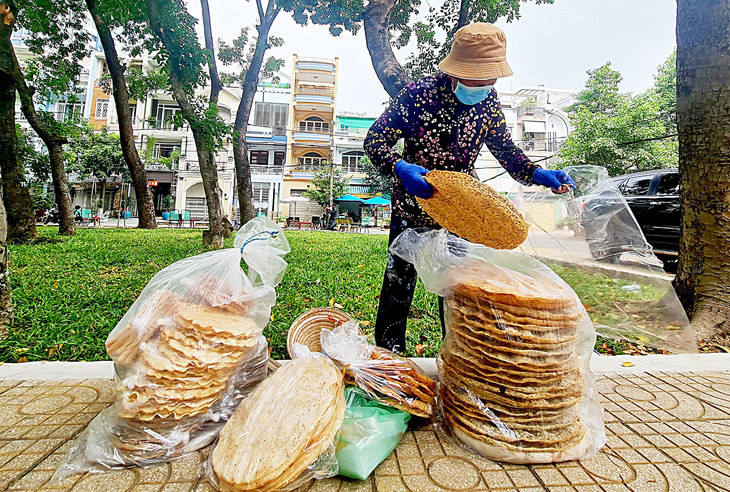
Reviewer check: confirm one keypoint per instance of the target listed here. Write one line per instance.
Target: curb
(56, 371)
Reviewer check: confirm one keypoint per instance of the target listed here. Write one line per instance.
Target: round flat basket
(473, 210)
(307, 327)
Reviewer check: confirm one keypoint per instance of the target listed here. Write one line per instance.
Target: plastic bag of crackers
(515, 380)
(384, 376)
(186, 353)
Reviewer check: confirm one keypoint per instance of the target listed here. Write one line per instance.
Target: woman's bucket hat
(479, 52)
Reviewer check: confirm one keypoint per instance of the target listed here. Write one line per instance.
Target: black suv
(653, 197)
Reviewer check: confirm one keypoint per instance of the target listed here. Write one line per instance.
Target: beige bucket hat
(479, 52)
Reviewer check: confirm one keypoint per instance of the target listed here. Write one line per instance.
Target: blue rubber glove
(412, 178)
(553, 179)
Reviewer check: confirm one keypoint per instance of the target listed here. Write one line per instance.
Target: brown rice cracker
(473, 210)
(532, 317)
(486, 342)
(213, 321)
(503, 286)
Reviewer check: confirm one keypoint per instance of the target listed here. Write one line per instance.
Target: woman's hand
(412, 178)
(558, 181)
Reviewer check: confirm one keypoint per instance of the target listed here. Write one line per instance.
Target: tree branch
(260, 8)
(463, 14)
(215, 82)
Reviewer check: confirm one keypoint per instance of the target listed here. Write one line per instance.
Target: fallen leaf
(588, 308)
(420, 348)
(628, 364)
(51, 351)
(365, 323)
(332, 302)
(338, 306)
(23, 359)
(361, 266)
(725, 349)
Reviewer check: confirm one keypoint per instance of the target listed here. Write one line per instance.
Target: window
(64, 111)
(279, 158)
(310, 161)
(259, 157)
(668, 184)
(272, 115)
(261, 194)
(314, 124)
(165, 116)
(102, 107)
(636, 186)
(351, 161)
(165, 150)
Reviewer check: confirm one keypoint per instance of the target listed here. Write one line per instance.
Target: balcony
(195, 166)
(318, 137)
(300, 99)
(541, 145)
(313, 91)
(531, 111)
(257, 169)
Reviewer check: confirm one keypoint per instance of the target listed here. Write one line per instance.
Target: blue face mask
(471, 95)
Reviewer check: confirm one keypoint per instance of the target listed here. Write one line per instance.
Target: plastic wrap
(370, 432)
(185, 354)
(383, 375)
(593, 240)
(284, 433)
(514, 368)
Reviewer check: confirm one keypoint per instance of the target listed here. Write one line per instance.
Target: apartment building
(350, 131)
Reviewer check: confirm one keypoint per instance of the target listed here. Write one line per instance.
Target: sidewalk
(667, 421)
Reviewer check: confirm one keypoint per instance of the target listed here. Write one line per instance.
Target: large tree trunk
(9, 154)
(213, 237)
(703, 113)
(18, 205)
(250, 84)
(463, 14)
(54, 143)
(145, 204)
(377, 23)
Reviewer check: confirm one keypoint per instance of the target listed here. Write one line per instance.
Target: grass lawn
(70, 292)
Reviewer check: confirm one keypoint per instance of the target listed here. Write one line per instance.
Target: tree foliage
(377, 182)
(435, 35)
(619, 131)
(96, 154)
(320, 191)
(239, 54)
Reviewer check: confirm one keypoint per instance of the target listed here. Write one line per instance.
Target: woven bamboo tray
(307, 327)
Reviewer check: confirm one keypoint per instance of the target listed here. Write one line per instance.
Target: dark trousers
(396, 296)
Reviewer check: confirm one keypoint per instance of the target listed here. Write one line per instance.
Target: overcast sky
(551, 45)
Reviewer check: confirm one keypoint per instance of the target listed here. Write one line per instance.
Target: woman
(444, 120)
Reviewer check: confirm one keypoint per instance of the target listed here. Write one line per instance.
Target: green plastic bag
(370, 432)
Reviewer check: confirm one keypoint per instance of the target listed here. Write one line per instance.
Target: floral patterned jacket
(440, 133)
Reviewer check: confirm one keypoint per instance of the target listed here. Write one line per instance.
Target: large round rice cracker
(209, 319)
(517, 334)
(473, 210)
(272, 428)
(511, 288)
(503, 378)
(190, 335)
(556, 351)
(541, 327)
(475, 301)
(515, 454)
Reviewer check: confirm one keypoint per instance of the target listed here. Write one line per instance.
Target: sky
(551, 45)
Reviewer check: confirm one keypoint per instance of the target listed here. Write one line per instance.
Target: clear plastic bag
(514, 368)
(383, 375)
(370, 432)
(185, 354)
(283, 435)
(593, 240)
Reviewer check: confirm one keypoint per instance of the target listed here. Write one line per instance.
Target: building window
(314, 124)
(102, 107)
(272, 115)
(165, 150)
(261, 196)
(165, 117)
(279, 158)
(259, 158)
(311, 161)
(351, 161)
(64, 111)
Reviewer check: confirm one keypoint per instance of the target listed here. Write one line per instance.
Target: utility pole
(332, 166)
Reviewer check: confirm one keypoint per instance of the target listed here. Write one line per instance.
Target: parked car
(653, 197)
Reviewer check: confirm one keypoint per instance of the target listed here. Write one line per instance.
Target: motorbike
(51, 216)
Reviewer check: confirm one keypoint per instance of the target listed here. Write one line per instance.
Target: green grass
(69, 292)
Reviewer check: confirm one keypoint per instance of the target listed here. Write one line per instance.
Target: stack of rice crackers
(511, 381)
(178, 358)
(281, 428)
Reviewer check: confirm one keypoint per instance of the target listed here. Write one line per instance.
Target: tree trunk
(142, 192)
(8, 154)
(463, 14)
(54, 143)
(213, 237)
(703, 113)
(18, 205)
(250, 84)
(377, 22)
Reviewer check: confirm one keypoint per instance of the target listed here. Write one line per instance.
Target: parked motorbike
(52, 216)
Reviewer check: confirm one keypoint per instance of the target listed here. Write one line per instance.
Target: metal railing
(541, 145)
(530, 111)
(258, 169)
(195, 166)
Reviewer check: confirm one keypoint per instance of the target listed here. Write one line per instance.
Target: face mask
(471, 95)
